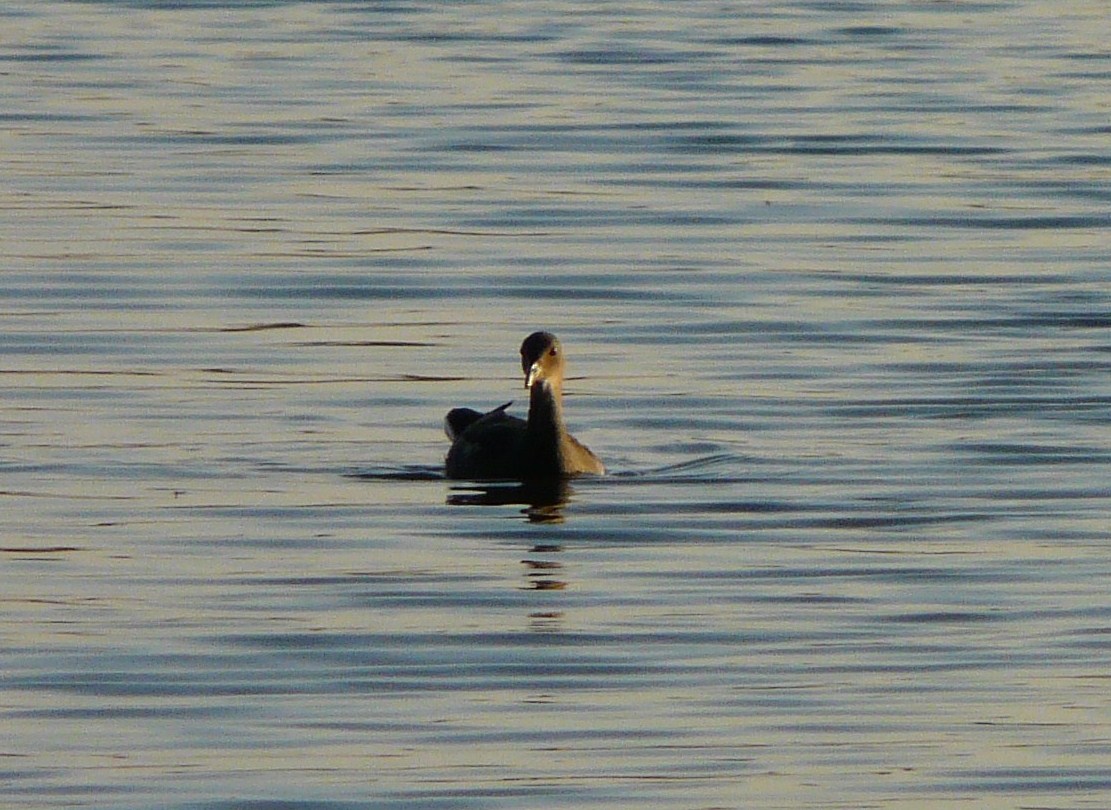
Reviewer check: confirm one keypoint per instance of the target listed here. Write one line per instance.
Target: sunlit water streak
(833, 284)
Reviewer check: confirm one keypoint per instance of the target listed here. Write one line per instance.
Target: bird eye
(553, 352)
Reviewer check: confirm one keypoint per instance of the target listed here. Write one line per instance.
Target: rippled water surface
(834, 286)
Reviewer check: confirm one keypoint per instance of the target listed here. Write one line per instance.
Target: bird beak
(533, 374)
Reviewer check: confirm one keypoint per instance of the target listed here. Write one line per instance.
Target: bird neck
(545, 424)
(545, 409)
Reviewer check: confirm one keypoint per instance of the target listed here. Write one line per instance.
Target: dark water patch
(109, 713)
(1088, 129)
(629, 56)
(707, 507)
(1019, 495)
(197, 137)
(855, 145)
(47, 117)
(908, 521)
(676, 180)
(425, 290)
(905, 277)
(1086, 160)
(732, 518)
(544, 739)
(761, 41)
(388, 344)
(56, 470)
(417, 644)
(987, 222)
(1021, 454)
(943, 617)
(559, 217)
(410, 472)
(37, 550)
(1053, 780)
(892, 573)
(262, 327)
(453, 38)
(433, 597)
(980, 406)
(401, 580)
(804, 599)
(1097, 638)
(570, 291)
(868, 31)
(392, 678)
(696, 333)
(47, 57)
(243, 379)
(305, 511)
(478, 147)
(348, 291)
(111, 294)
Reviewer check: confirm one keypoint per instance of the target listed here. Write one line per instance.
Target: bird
(497, 446)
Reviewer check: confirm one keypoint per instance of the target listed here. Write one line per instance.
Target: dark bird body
(497, 446)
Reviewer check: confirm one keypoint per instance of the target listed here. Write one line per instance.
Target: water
(833, 284)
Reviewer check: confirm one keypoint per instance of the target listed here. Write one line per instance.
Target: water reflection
(544, 500)
(542, 574)
(546, 621)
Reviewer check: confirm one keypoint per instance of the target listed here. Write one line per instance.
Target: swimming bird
(495, 445)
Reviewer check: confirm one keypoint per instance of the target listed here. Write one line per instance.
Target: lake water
(834, 286)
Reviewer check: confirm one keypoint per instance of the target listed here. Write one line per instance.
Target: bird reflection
(546, 621)
(543, 500)
(541, 575)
